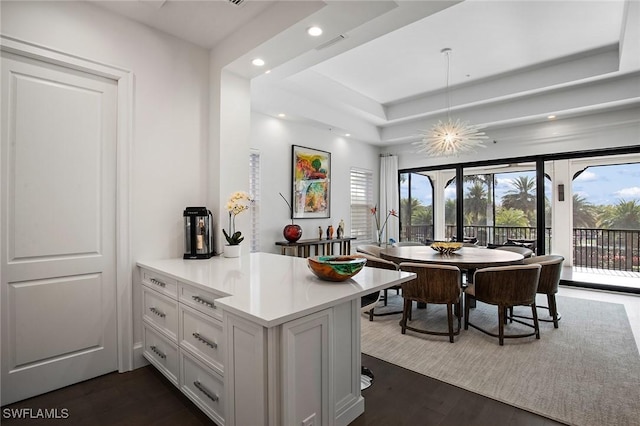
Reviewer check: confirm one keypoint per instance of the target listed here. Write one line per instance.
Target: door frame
(124, 132)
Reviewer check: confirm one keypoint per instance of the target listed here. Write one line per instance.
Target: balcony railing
(614, 249)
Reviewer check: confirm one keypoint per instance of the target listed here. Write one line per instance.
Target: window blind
(361, 204)
(254, 190)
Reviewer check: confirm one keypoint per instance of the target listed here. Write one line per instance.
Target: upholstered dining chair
(440, 284)
(505, 287)
(547, 284)
(369, 249)
(527, 253)
(376, 262)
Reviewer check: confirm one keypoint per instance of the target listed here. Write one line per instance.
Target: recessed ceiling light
(347, 134)
(551, 117)
(281, 115)
(258, 62)
(267, 71)
(314, 31)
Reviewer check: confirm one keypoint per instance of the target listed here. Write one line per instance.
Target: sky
(599, 185)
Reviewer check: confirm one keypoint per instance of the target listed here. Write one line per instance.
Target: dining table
(465, 258)
(468, 259)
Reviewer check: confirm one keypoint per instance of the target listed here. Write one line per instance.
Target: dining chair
(369, 302)
(517, 249)
(547, 284)
(505, 287)
(370, 249)
(439, 284)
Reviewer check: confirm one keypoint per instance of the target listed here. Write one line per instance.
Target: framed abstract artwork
(311, 186)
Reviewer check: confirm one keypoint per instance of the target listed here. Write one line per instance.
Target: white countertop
(271, 289)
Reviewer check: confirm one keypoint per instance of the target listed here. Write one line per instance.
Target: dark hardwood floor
(144, 397)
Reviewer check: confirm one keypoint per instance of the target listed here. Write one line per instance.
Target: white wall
(170, 118)
(273, 138)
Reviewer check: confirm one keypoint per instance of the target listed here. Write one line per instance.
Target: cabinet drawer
(161, 312)
(204, 301)
(203, 386)
(161, 353)
(159, 282)
(203, 336)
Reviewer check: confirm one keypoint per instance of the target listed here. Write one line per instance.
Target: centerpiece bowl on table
(446, 247)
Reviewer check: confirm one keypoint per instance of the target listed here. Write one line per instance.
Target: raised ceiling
(513, 61)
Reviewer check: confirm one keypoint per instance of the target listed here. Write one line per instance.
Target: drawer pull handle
(157, 352)
(207, 342)
(156, 282)
(204, 302)
(212, 396)
(157, 312)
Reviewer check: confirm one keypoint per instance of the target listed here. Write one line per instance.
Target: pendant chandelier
(451, 137)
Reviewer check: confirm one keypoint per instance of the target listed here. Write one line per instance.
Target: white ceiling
(387, 77)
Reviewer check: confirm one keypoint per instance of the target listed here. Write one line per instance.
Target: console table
(303, 247)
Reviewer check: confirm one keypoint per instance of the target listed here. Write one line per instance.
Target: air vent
(236, 2)
(331, 42)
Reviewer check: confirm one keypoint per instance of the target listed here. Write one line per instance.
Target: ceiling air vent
(331, 42)
(236, 2)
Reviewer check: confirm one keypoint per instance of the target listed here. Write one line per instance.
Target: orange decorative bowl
(446, 248)
(336, 268)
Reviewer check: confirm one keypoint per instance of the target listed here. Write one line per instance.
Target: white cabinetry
(259, 340)
(183, 339)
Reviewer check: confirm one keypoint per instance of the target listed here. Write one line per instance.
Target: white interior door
(58, 171)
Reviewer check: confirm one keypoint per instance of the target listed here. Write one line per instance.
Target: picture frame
(310, 183)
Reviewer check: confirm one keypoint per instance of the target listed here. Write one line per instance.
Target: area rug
(586, 372)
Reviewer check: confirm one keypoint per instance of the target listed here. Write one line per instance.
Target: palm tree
(475, 205)
(511, 217)
(624, 215)
(584, 215)
(522, 197)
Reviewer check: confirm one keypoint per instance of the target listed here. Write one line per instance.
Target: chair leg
(385, 297)
(534, 312)
(406, 309)
(501, 320)
(450, 320)
(553, 309)
(410, 310)
(371, 314)
(466, 311)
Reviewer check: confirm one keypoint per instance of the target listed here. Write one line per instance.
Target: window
(254, 190)
(361, 204)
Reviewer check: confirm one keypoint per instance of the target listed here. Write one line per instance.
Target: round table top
(465, 258)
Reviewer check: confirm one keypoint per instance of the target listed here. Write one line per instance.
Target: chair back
(507, 285)
(517, 249)
(370, 249)
(433, 283)
(407, 244)
(550, 272)
(377, 262)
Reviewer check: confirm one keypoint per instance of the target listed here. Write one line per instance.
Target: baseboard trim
(138, 359)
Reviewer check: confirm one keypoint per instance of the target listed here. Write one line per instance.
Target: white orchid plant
(238, 202)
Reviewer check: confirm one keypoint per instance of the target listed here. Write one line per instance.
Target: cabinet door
(307, 370)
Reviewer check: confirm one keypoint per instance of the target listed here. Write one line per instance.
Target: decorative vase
(292, 232)
(232, 251)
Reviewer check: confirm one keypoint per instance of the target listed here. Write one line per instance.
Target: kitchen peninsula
(259, 339)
